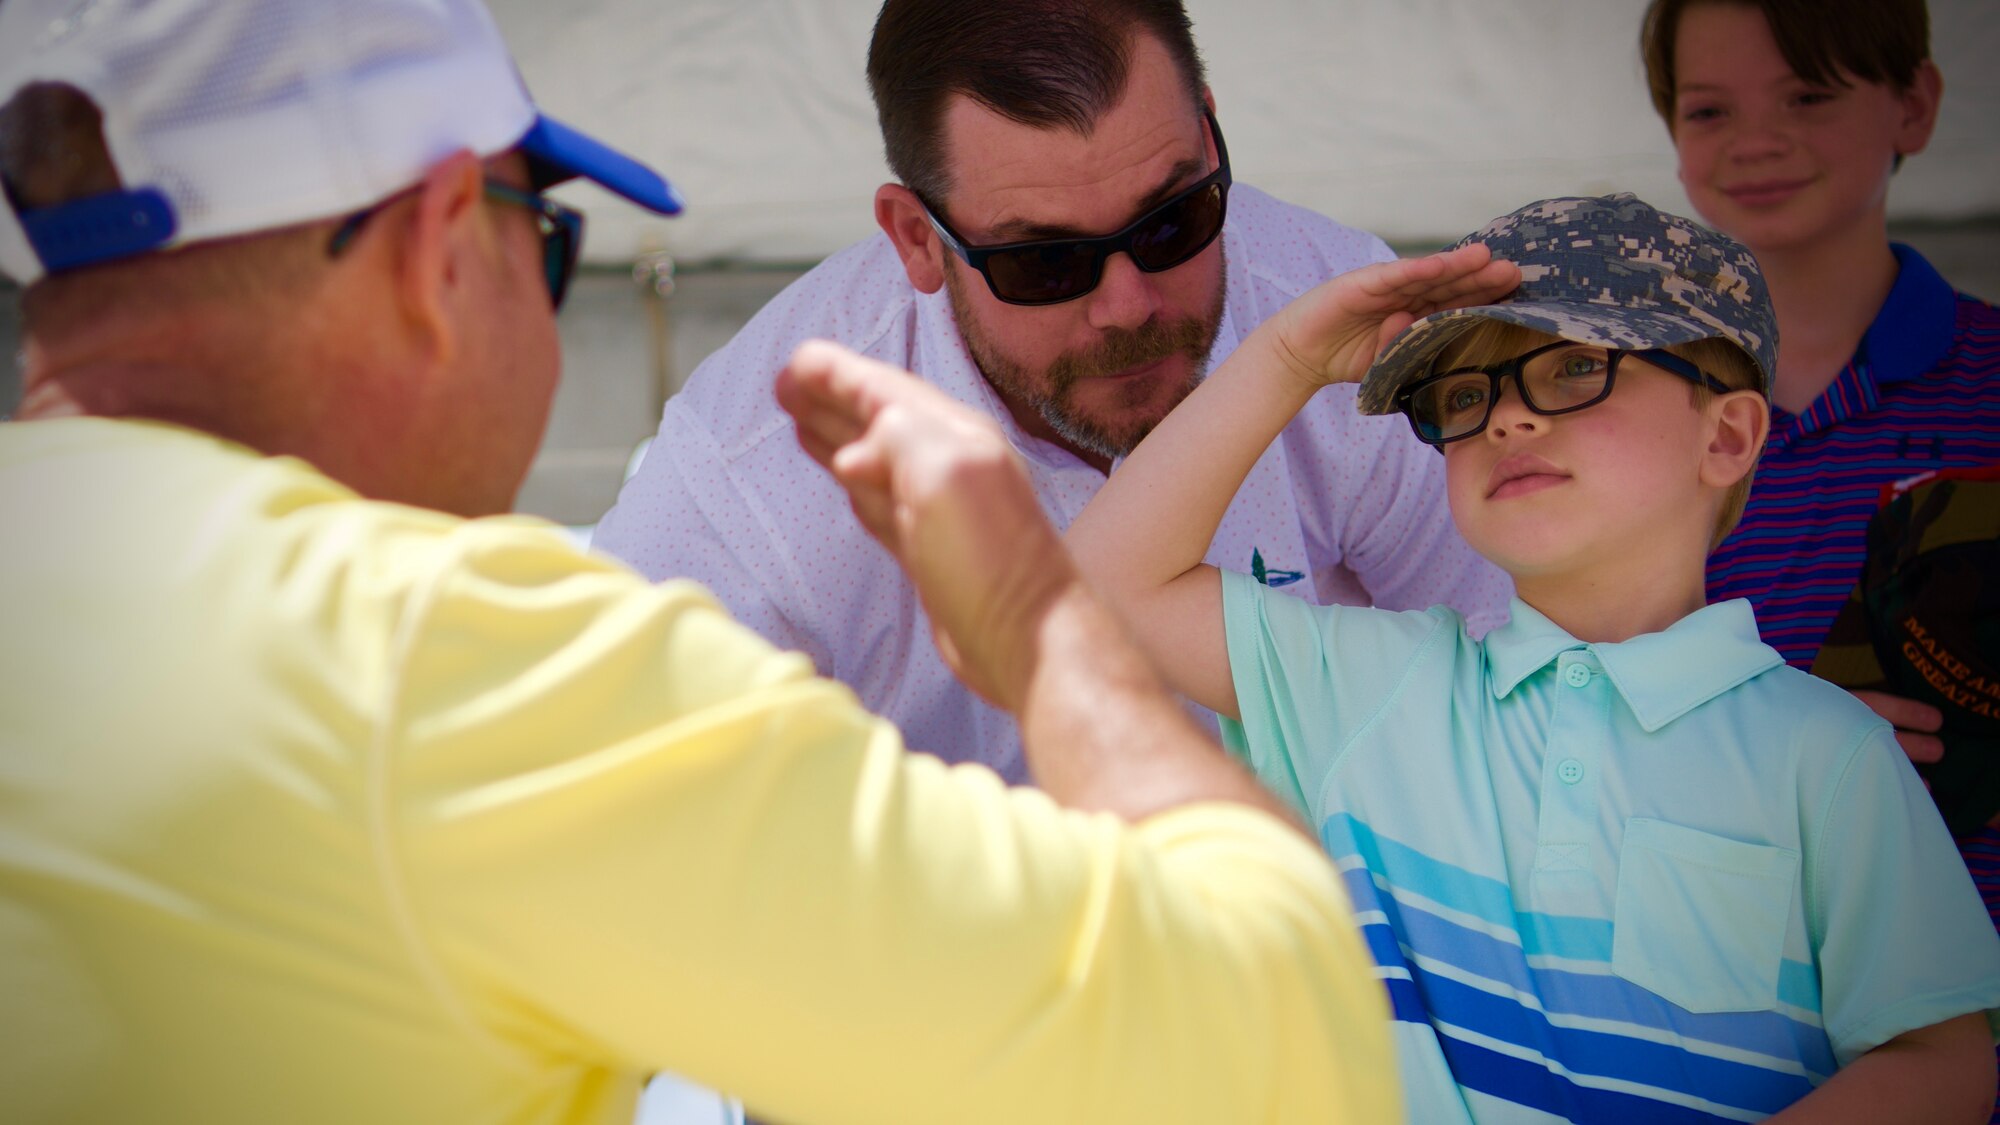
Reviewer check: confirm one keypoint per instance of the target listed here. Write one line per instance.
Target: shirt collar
(1661, 676)
(1914, 328)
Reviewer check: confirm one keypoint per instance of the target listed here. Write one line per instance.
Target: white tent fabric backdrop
(1416, 119)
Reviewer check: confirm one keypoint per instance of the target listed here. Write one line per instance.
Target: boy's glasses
(1557, 378)
(1054, 270)
(561, 230)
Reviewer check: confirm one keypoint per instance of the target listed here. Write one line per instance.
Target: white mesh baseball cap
(226, 117)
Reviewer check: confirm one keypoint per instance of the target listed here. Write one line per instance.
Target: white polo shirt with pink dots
(1342, 509)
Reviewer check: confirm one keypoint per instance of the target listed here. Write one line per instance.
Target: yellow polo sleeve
(621, 829)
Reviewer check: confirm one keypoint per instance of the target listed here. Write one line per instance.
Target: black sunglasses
(1557, 378)
(561, 229)
(1050, 271)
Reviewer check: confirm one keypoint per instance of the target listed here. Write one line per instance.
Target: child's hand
(1334, 331)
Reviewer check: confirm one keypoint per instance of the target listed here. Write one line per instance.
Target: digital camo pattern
(1606, 270)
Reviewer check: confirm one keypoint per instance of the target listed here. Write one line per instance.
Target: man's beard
(1053, 395)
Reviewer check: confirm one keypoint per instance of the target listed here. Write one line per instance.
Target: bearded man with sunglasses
(1066, 253)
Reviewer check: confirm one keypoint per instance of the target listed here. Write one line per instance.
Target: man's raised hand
(938, 485)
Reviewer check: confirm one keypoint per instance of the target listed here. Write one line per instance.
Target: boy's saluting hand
(1333, 332)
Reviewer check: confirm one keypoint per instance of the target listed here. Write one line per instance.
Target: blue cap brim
(562, 153)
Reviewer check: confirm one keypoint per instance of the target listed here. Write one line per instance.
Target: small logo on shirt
(1268, 576)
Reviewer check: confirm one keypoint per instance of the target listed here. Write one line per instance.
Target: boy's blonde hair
(1493, 341)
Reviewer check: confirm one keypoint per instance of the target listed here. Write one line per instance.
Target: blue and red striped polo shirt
(1922, 392)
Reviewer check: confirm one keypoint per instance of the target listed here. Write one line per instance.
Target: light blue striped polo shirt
(1665, 880)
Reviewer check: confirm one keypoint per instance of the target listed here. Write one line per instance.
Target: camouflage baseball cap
(1605, 270)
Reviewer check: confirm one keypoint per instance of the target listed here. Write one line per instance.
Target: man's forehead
(1012, 181)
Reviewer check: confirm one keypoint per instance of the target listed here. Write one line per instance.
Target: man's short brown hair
(52, 151)
(1823, 41)
(52, 147)
(1043, 63)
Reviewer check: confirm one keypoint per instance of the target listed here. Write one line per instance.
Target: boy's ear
(1920, 109)
(1739, 422)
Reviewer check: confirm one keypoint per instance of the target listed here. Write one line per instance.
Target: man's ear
(1208, 99)
(440, 233)
(1739, 422)
(901, 216)
(1920, 109)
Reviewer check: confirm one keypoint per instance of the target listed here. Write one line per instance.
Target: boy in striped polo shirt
(1790, 117)
(1615, 860)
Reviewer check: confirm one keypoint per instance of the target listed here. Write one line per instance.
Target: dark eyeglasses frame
(1103, 246)
(1495, 372)
(561, 230)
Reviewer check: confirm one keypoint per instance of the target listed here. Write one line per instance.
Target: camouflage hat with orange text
(1923, 623)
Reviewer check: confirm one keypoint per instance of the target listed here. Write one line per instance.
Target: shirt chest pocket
(1700, 919)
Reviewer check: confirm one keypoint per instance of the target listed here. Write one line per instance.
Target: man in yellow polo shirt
(321, 801)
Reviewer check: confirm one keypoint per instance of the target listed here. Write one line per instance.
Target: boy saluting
(1615, 861)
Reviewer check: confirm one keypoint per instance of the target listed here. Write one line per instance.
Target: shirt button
(1570, 771)
(1576, 675)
